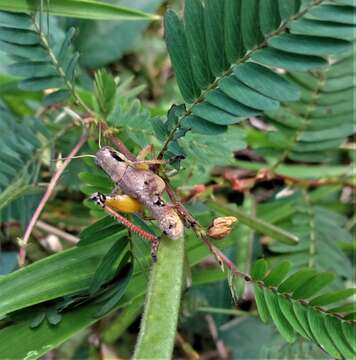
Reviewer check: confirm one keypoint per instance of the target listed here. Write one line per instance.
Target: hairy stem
(159, 322)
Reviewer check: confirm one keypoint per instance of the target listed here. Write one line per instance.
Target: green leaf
(314, 285)
(38, 319)
(196, 39)
(277, 274)
(214, 114)
(17, 21)
(53, 316)
(160, 129)
(50, 278)
(323, 28)
(18, 36)
(263, 310)
(125, 275)
(269, 16)
(287, 309)
(288, 61)
(214, 32)
(230, 34)
(348, 307)
(220, 100)
(201, 126)
(32, 69)
(178, 49)
(278, 318)
(37, 342)
(104, 272)
(240, 92)
(266, 82)
(334, 328)
(287, 8)
(41, 83)
(56, 97)
(312, 45)
(100, 231)
(317, 326)
(233, 33)
(35, 52)
(81, 9)
(296, 280)
(259, 269)
(330, 298)
(349, 331)
(250, 26)
(302, 317)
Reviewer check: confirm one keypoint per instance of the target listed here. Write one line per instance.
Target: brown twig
(46, 196)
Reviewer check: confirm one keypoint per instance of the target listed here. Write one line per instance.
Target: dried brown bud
(221, 227)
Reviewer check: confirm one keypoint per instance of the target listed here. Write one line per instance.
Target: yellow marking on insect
(142, 166)
(124, 204)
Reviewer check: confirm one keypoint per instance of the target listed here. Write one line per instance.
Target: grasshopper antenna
(75, 157)
(99, 141)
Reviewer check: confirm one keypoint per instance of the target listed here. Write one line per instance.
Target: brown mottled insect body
(144, 186)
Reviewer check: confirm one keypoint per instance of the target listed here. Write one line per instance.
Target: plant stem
(55, 231)
(52, 184)
(159, 323)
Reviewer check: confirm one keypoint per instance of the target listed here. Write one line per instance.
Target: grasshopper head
(111, 161)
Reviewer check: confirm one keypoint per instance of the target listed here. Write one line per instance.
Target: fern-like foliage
(311, 129)
(20, 146)
(224, 52)
(296, 309)
(116, 101)
(43, 62)
(321, 231)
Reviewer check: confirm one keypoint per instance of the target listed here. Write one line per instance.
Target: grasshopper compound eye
(98, 198)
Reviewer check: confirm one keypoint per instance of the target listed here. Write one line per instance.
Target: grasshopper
(142, 188)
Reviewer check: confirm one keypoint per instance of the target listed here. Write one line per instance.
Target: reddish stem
(134, 228)
(223, 259)
(51, 186)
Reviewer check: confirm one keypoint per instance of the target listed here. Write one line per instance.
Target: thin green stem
(221, 311)
(312, 229)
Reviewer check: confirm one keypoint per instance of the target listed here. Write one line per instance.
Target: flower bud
(221, 227)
